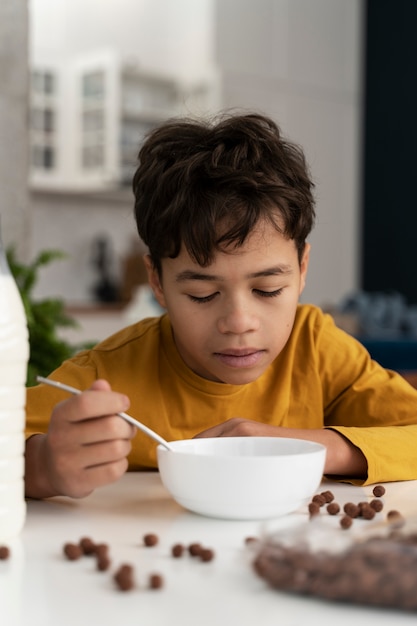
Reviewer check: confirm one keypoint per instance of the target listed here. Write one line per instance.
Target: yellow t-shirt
(322, 378)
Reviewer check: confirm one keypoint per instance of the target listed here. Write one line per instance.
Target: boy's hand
(240, 427)
(342, 457)
(85, 447)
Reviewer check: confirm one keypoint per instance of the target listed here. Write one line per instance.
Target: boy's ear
(154, 280)
(304, 266)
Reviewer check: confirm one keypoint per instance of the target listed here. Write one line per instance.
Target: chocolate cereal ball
(333, 508)
(313, 509)
(377, 505)
(367, 512)
(346, 522)
(101, 550)
(103, 563)
(351, 509)
(150, 540)
(87, 546)
(4, 553)
(156, 581)
(378, 491)
(395, 519)
(73, 551)
(194, 549)
(319, 499)
(124, 577)
(328, 496)
(177, 550)
(250, 539)
(206, 555)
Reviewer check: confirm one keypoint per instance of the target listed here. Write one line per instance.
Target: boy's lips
(248, 357)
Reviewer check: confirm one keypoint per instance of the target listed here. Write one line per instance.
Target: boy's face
(231, 319)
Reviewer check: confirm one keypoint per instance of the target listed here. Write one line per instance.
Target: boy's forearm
(344, 454)
(37, 484)
(343, 458)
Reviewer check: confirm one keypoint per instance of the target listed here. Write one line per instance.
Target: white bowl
(245, 478)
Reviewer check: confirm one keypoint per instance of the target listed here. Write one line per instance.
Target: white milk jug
(14, 356)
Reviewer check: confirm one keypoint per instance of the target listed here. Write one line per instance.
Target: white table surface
(40, 587)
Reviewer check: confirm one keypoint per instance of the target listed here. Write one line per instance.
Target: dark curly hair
(205, 186)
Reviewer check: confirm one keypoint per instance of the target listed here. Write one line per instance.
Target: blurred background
(83, 80)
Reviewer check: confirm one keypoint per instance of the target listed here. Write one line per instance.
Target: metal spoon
(148, 431)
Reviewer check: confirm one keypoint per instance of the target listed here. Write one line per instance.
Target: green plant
(44, 317)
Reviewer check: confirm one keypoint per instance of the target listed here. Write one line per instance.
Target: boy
(225, 211)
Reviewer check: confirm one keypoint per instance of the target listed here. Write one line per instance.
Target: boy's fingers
(101, 429)
(98, 476)
(102, 453)
(214, 431)
(93, 403)
(100, 384)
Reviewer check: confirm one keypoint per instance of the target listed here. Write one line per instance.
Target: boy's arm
(85, 447)
(343, 458)
(37, 479)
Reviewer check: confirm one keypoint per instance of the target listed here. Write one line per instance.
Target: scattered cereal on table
(156, 581)
(377, 505)
(206, 555)
(87, 546)
(194, 549)
(328, 495)
(395, 519)
(367, 512)
(103, 563)
(250, 539)
(4, 553)
(150, 539)
(101, 550)
(378, 491)
(313, 509)
(319, 499)
(346, 522)
(333, 508)
(124, 577)
(177, 550)
(73, 551)
(352, 510)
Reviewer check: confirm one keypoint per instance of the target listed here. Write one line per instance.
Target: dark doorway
(389, 248)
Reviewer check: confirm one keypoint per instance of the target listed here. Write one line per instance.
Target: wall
(14, 210)
(300, 62)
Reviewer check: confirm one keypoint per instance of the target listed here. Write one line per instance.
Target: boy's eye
(259, 292)
(268, 294)
(202, 299)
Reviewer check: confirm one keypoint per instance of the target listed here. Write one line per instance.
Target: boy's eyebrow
(276, 270)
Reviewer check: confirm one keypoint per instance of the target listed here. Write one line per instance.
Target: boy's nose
(238, 320)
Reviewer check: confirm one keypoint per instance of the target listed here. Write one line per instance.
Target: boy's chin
(241, 377)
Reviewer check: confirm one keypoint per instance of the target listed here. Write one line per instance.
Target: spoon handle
(148, 431)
